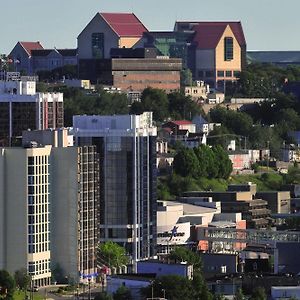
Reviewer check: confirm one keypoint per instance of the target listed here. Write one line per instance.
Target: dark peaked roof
(29, 46)
(208, 33)
(46, 52)
(124, 24)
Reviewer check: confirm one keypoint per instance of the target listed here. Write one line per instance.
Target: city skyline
(57, 23)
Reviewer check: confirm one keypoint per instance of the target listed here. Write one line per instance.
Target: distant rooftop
(276, 57)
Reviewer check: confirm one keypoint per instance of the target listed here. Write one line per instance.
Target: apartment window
(228, 48)
(228, 73)
(236, 73)
(220, 73)
(98, 45)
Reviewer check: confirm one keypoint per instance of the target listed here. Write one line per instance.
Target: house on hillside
(22, 56)
(31, 57)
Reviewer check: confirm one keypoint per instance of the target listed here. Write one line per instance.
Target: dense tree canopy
(203, 161)
(111, 254)
(173, 105)
(22, 279)
(7, 285)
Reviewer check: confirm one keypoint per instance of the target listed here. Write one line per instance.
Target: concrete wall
(84, 40)
(278, 202)
(2, 210)
(128, 42)
(16, 209)
(234, 64)
(65, 199)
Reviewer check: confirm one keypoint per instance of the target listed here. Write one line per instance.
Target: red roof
(208, 34)
(29, 46)
(125, 24)
(182, 122)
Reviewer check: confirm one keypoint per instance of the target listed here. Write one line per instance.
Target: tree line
(203, 161)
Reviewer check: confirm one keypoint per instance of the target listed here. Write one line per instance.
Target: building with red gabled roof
(31, 57)
(220, 50)
(179, 125)
(22, 53)
(106, 31)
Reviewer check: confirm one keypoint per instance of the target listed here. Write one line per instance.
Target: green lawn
(18, 295)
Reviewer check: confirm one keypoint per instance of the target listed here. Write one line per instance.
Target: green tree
(186, 78)
(154, 100)
(122, 293)
(175, 288)
(7, 285)
(22, 279)
(186, 163)
(111, 254)
(239, 295)
(182, 107)
(259, 293)
(223, 162)
(180, 254)
(200, 289)
(103, 296)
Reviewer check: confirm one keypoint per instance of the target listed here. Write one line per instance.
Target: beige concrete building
(220, 53)
(49, 196)
(24, 205)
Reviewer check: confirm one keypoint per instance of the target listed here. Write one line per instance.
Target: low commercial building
(134, 74)
(22, 108)
(279, 202)
(254, 211)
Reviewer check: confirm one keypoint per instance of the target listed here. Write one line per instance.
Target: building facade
(49, 205)
(106, 31)
(25, 212)
(74, 199)
(21, 108)
(126, 145)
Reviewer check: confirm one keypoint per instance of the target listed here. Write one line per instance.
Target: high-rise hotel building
(126, 147)
(49, 203)
(22, 108)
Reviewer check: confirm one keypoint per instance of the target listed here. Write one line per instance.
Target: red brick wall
(139, 80)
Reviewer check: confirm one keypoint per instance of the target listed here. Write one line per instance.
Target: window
(228, 48)
(236, 73)
(220, 73)
(228, 73)
(98, 45)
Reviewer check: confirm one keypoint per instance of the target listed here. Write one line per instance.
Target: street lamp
(89, 281)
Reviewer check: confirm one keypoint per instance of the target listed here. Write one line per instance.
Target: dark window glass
(228, 73)
(220, 73)
(228, 48)
(98, 45)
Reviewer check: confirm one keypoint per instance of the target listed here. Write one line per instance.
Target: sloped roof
(124, 24)
(208, 34)
(182, 122)
(46, 52)
(29, 46)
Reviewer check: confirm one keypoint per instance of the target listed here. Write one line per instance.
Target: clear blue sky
(268, 24)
